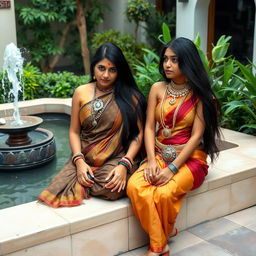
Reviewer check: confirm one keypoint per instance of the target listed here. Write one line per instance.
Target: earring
(94, 78)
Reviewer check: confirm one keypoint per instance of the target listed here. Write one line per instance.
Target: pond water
(22, 186)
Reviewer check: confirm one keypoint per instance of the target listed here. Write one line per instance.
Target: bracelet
(77, 158)
(124, 164)
(173, 168)
(77, 155)
(127, 162)
(129, 159)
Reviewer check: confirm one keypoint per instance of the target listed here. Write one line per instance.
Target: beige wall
(7, 29)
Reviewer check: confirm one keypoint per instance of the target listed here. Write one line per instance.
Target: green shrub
(60, 84)
(146, 71)
(154, 24)
(132, 50)
(137, 11)
(42, 85)
(234, 85)
(31, 75)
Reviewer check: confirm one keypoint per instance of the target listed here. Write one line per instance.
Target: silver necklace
(98, 107)
(175, 93)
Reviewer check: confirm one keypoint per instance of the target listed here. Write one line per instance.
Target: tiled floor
(232, 235)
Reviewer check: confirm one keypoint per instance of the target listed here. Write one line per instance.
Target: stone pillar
(7, 27)
(192, 18)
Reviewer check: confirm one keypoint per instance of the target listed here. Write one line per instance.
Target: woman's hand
(82, 171)
(118, 181)
(151, 171)
(164, 176)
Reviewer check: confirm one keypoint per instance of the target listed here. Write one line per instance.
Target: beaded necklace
(174, 93)
(167, 131)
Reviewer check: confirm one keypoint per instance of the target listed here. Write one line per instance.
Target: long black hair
(129, 99)
(191, 66)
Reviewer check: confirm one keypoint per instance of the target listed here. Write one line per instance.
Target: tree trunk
(81, 24)
(62, 42)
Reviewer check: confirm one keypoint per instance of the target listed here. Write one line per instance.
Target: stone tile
(130, 253)
(201, 189)
(57, 247)
(183, 240)
(181, 221)
(233, 163)
(202, 249)
(242, 139)
(243, 175)
(137, 252)
(245, 217)
(108, 240)
(137, 236)
(241, 241)
(28, 225)
(209, 205)
(243, 194)
(252, 227)
(94, 212)
(217, 178)
(213, 228)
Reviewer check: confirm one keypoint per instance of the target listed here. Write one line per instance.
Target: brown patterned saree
(101, 146)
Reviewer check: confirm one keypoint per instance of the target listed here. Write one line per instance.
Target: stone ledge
(95, 226)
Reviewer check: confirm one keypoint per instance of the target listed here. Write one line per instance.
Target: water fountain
(22, 143)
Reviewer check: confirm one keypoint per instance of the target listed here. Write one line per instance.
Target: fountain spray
(13, 65)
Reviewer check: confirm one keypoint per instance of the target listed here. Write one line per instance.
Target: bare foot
(164, 252)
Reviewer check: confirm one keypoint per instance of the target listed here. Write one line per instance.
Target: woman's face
(105, 73)
(171, 67)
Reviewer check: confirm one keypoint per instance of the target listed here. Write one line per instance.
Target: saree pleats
(157, 206)
(101, 146)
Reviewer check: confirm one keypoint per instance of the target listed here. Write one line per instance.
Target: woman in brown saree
(105, 133)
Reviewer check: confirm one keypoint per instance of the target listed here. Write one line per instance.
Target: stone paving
(232, 235)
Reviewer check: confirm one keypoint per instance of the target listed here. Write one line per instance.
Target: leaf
(249, 76)
(252, 126)
(223, 40)
(228, 71)
(166, 33)
(219, 52)
(238, 105)
(197, 41)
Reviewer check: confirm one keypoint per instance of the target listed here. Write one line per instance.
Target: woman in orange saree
(105, 133)
(184, 110)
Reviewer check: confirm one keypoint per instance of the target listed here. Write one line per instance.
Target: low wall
(101, 227)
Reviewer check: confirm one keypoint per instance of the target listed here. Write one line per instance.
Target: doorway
(234, 18)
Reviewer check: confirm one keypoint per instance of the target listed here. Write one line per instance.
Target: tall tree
(44, 29)
(81, 24)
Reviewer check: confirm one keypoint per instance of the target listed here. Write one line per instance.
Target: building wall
(7, 29)
(192, 18)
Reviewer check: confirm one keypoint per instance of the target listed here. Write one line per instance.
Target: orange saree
(101, 146)
(157, 207)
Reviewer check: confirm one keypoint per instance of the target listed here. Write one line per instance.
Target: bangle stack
(127, 162)
(77, 156)
(173, 168)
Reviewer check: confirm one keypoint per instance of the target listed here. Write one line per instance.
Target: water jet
(25, 145)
